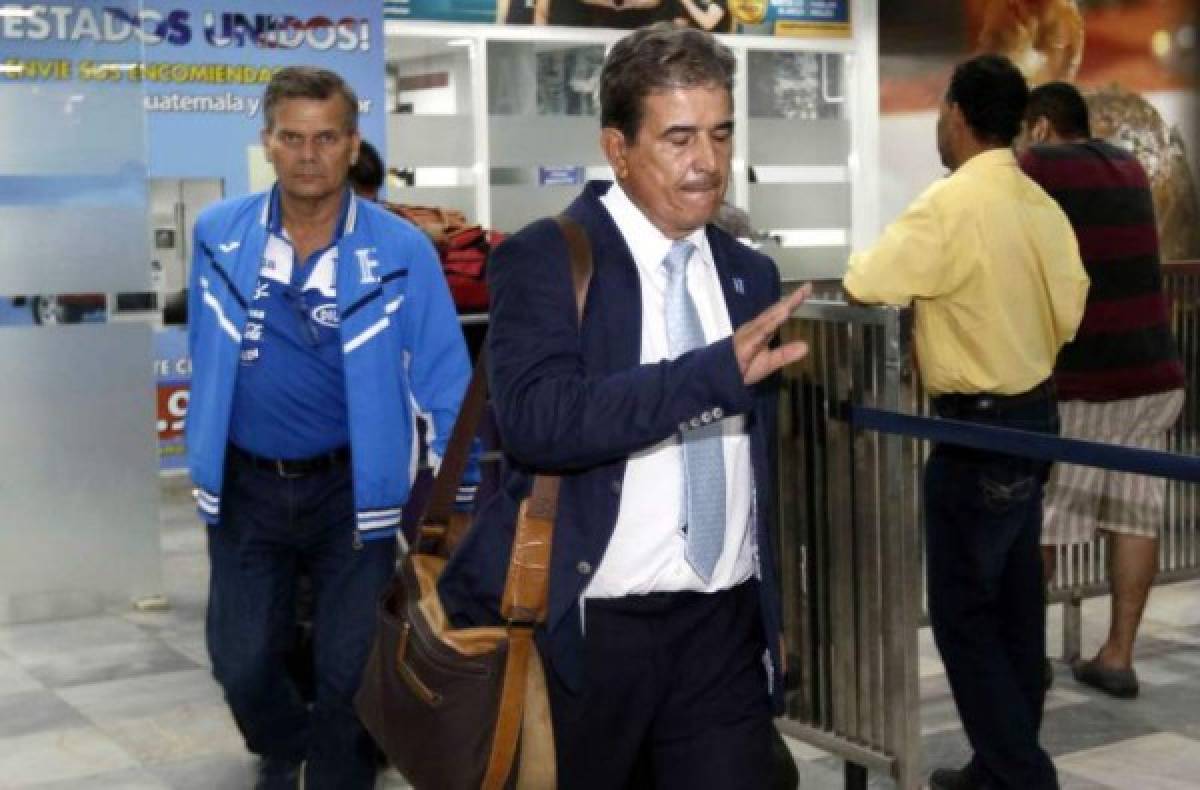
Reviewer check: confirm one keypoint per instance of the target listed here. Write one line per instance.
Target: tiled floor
(125, 700)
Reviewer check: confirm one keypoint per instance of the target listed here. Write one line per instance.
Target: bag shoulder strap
(436, 521)
(439, 509)
(526, 588)
(527, 584)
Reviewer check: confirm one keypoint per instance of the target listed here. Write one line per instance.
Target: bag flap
(476, 641)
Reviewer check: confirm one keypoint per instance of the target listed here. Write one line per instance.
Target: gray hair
(658, 58)
(305, 82)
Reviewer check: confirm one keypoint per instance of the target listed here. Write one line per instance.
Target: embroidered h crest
(367, 264)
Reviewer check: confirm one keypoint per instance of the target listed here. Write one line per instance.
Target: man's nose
(705, 155)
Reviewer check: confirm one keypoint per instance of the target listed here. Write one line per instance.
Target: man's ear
(1041, 131)
(616, 151)
(264, 136)
(958, 121)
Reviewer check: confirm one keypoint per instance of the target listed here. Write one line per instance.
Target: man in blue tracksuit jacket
(321, 327)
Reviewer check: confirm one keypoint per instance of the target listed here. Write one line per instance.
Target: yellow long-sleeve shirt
(992, 266)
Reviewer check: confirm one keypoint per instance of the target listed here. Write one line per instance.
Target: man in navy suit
(662, 639)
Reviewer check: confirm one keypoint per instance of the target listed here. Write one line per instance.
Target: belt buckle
(282, 471)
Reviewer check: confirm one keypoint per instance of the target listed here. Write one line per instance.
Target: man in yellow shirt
(991, 265)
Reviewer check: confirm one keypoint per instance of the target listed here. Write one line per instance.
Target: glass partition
(798, 149)
(79, 501)
(431, 136)
(72, 175)
(543, 126)
(802, 149)
(78, 470)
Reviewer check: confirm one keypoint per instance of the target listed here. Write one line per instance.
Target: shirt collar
(995, 157)
(647, 243)
(346, 215)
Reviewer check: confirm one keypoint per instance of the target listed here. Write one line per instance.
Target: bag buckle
(522, 617)
(282, 470)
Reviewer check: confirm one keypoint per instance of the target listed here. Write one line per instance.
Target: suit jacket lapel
(734, 282)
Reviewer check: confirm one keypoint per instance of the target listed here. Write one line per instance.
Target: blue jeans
(983, 519)
(271, 528)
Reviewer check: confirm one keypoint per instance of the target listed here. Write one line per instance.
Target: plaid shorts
(1081, 499)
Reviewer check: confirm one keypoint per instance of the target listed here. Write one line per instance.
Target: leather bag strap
(512, 704)
(526, 588)
(439, 510)
(527, 584)
(436, 523)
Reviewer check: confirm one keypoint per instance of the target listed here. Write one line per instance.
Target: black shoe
(1121, 683)
(956, 779)
(1047, 675)
(276, 773)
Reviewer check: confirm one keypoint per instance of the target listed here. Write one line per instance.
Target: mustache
(701, 184)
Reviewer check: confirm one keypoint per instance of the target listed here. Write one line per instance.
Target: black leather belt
(294, 467)
(988, 403)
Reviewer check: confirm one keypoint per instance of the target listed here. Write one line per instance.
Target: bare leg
(1132, 565)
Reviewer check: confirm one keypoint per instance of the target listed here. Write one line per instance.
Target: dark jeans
(983, 518)
(675, 696)
(270, 528)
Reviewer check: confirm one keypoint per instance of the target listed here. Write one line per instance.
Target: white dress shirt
(647, 549)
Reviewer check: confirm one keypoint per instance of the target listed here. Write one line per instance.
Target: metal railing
(850, 559)
(851, 539)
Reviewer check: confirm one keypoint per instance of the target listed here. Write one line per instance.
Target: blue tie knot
(678, 256)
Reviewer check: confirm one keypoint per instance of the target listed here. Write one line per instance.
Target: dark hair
(305, 82)
(657, 58)
(1063, 106)
(366, 173)
(991, 94)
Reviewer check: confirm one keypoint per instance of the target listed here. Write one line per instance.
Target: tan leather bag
(458, 708)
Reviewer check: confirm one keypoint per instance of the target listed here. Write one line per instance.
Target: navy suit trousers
(674, 695)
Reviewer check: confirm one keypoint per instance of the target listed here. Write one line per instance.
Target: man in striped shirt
(1120, 381)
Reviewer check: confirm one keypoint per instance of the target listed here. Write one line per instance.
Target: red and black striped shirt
(1124, 347)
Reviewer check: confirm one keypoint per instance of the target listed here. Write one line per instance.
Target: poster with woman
(760, 17)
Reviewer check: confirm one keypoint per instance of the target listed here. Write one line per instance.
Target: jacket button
(683, 426)
(616, 487)
(706, 417)
(717, 413)
(584, 568)
(695, 422)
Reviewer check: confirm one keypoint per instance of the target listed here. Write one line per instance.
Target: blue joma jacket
(402, 349)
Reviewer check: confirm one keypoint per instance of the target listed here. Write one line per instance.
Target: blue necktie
(703, 462)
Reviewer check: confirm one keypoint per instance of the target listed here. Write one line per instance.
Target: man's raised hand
(751, 342)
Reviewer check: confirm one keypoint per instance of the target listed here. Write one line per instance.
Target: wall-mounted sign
(560, 176)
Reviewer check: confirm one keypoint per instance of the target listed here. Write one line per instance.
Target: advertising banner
(760, 17)
(172, 376)
(203, 67)
(1134, 61)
